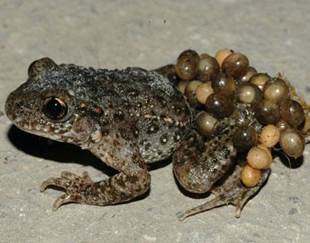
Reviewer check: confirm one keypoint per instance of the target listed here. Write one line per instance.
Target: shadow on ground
(52, 150)
(62, 152)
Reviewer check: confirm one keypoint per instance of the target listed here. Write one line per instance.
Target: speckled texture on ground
(274, 34)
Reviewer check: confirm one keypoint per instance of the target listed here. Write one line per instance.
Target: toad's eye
(54, 108)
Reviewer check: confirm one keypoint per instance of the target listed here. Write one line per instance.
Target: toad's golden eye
(54, 108)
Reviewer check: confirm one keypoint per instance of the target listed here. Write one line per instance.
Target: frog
(129, 119)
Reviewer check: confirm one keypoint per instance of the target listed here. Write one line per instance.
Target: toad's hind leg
(232, 191)
(200, 165)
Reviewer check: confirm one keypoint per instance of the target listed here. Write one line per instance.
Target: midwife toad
(127, 118)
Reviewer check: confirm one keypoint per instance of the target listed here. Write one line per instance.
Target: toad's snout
(17, 107)
(11, 106)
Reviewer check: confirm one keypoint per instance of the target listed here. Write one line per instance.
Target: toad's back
(144, 107)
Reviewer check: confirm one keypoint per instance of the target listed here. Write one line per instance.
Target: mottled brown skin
(127, 118)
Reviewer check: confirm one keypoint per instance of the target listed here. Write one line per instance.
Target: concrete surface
(274, 34)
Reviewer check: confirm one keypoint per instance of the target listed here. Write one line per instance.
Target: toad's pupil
(55, 108)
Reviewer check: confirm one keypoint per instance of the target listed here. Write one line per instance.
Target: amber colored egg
(235, 65)
(244, 138)
(223, 84)
(260, 79)
(276, 90)
(292, 143)
(190, 91)
(249, 93)
(270, 135)
(268, 150)
(249, 176)
(219, 105)
(206, 123)
(292, 112)
(182, 85)
(203, 91)
(259, 158)
(192, 86)
(187, 65)
(208, 68)
(249, 74)
(267, 112)
(221, 55)
(282, 125)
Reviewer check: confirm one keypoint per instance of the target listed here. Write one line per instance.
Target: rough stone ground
(274, 34)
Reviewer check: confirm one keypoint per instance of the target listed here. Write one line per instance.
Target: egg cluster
(216, 85)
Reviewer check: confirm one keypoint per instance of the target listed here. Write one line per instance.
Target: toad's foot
(71, 183)
(81, 189)
(232, 191)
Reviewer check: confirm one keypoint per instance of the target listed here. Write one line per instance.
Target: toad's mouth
(63, 132)
(39, 129)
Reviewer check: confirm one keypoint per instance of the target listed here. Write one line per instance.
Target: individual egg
(268, 150)
(223, 84)
(259, 158)
(191, 87)
(187, 65)
(249, 74)
(244, 138)
(208, 68)
(270, 135)
(292, 143)
(206, 123)
(249, 93)
(203, 91)
(182, 85)
(282, 125)
(221, 55)
(260, 79)
(276, 90)
(219, 105)
(249, 176)
(267, 112)
(235, 65)
(190, 91)
(292, 112)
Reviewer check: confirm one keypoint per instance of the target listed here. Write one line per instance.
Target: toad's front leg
(132, 181)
